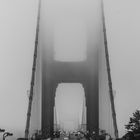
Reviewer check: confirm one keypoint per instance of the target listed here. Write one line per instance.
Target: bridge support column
(91, 91)
(48, 99)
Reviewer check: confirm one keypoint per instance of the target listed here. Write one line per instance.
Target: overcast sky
(17, 33)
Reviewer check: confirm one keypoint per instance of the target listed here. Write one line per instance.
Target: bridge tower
(93, 72)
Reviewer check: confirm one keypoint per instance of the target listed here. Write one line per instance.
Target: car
(65, 138)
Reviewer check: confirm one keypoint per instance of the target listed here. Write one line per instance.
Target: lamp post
(6, 134)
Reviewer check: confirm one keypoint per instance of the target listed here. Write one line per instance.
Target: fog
(70, 26)
(69, 105)
(18, 23)
(74, 41)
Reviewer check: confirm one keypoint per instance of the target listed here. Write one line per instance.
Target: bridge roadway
(70, 138)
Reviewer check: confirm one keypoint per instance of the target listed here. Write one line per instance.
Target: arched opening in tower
(70, 108)
(70, 40)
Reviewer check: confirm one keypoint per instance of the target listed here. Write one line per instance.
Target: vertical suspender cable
(109, 74)
(33, 74)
